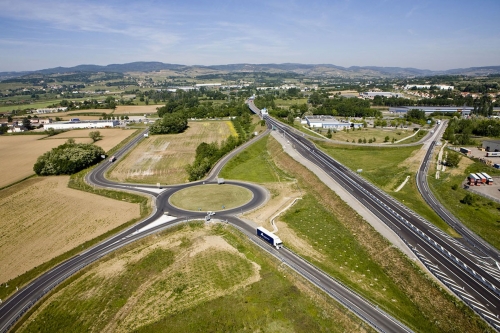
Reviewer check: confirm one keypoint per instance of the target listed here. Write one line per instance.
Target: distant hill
(323, 70)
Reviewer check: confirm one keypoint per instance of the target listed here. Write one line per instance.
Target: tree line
(460, 131)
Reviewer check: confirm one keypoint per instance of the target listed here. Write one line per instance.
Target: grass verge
(254, 164)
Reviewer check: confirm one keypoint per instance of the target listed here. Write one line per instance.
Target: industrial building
(372, 94)
(491, 145)
(77, 123)
(52, 110)
(329, 122)
(464, 110)
(428, 86)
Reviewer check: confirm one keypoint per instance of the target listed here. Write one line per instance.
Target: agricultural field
(43, 218)
(207, 273)
(136, 109)
(324, 229)
(163, 158)
(111, 137)
(20, 152)
(211, 197)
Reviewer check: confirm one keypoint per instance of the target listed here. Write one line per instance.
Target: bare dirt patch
(163, 158)
(43, 218)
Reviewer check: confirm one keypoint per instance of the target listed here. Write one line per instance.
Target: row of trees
(482, 105)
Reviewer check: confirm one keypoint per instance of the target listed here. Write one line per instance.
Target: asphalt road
(473, 279)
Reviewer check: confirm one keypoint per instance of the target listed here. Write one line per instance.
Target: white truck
(269, 237)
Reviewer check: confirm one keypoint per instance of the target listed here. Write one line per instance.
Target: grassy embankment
(340, 242)
(387, 168)
(214, 276)
(483, 216)
(77, 182)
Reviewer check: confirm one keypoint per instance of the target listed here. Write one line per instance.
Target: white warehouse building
(77, 123)
(329, 122)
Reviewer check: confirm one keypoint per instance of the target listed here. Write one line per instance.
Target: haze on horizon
(436, 35)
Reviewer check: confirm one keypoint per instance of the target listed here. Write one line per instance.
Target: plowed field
(43, 218)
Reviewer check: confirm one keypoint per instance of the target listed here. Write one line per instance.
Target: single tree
(95, 136)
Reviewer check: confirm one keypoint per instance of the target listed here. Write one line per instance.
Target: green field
(211, 197)
(387, 168)
(151, 286)
(254, 164)
(380, 165)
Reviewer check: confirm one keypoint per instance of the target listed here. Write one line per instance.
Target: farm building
(491, 145)
(329, 122)
(77, 123)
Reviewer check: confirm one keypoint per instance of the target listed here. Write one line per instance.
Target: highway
(474, 279)
(20, 302)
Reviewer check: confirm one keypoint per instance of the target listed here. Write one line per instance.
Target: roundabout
(211, 197)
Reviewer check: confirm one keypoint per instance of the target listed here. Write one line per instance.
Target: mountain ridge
(298, 68)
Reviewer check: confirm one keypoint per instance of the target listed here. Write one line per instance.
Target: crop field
(163, 158)
(211, 197)
(20, 152)
(132, 109)
(110, 136)
(43, 218)
(195, 278)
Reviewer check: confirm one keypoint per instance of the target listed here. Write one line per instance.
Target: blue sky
(423, 34)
